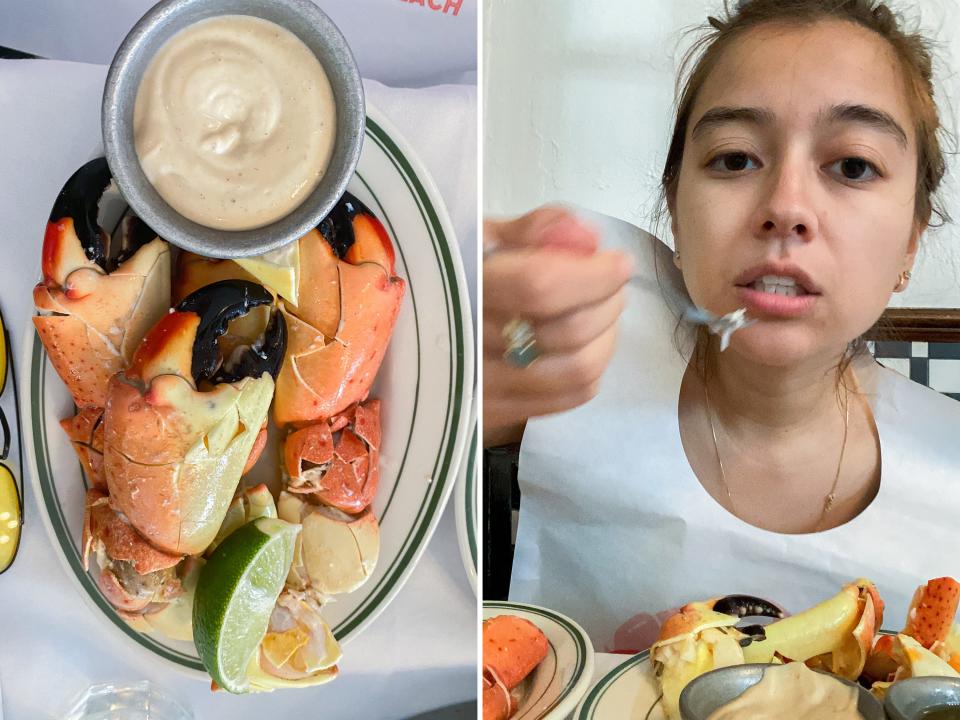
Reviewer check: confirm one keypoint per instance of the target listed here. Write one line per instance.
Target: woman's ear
(919, 227)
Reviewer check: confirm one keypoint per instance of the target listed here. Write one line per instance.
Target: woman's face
(796, 190)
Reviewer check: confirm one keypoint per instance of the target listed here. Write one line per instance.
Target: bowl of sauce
(776, 692)
(924, 698)
(232, 127)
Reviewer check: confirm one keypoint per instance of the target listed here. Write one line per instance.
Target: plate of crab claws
(321, 383)
(842, 636)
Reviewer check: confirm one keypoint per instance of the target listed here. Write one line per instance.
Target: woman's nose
(786, 213)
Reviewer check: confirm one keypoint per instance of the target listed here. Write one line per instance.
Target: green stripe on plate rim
(441, 471)
(578, 639)
(428, 506)
(593, 698)
(596, 693)
(471, 499)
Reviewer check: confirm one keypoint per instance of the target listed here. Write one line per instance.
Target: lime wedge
(235, 596)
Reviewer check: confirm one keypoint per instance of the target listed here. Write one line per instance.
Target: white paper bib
(616, 530)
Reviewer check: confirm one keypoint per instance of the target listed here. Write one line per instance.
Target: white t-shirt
(615, 530)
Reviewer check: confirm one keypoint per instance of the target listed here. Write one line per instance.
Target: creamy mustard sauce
(234, 122)
(793, 692)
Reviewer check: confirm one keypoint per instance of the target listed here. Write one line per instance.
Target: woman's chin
(779, 344)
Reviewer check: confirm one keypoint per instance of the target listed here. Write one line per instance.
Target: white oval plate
(628, 692)
(424, 382)
(553, 689)
(466, 507)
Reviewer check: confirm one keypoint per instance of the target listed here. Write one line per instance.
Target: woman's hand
(545, 268)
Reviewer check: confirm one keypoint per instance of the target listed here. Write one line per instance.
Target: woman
(799, 181)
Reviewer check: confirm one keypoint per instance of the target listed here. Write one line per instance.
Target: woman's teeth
(778, 285)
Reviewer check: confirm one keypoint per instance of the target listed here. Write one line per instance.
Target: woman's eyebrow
(722, 115)
(870, 116)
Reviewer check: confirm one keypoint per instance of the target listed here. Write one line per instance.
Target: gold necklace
(830, 497)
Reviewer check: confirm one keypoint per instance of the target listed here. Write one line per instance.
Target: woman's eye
(732, 162)
(854, 168)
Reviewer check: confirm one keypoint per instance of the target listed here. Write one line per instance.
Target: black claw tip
(337, 227)
(80, 200)
(754, 633)
(747, 606)
(219, 303)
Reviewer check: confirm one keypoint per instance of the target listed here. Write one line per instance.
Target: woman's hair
(911, 50)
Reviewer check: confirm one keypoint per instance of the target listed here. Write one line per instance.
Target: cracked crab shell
(335, 552)
(338, 334)
(174, 455)
(91, 322)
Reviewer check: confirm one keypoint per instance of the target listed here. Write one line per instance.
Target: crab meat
(697, 639)
(912, 660)
(298, 650)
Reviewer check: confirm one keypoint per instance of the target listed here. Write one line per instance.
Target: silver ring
(521, 343)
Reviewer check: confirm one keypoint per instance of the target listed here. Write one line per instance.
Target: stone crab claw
(930, 624)
(340, 299)
(335, 552)
(347, 304)
(298, 650)
(134, 576)
(337, 461)
(835, 635)
(912, 660)
(182, 420)
(95, 305)
(700, 637)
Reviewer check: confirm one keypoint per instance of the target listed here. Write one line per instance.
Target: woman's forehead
(799, 73)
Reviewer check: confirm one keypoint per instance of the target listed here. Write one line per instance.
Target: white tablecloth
(403, 43)
(419, 654)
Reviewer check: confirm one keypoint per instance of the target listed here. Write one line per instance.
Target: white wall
(578, 107)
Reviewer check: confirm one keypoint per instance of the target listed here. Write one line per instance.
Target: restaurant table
(420, 653)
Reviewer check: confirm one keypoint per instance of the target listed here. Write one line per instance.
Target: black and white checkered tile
(936, 365)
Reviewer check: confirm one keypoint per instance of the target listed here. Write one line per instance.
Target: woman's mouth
(778, 285)
(787, 294)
